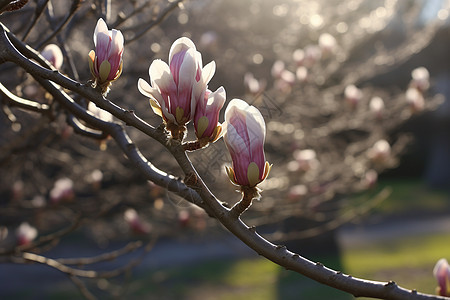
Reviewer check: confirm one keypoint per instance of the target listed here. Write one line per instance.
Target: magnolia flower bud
(62, 190)
(245, 132)
(176, 87)
(53, 54)
(302, 73)
(298, 56)
(207, 115)
(441, 272)
(352, 95)
(253, 85)
(380, 152)
(135, 223)
(106, 61)
(415, 100)
(306, 160)
(420, 79)
(376, 105)
(25, 234)
(370, 179)
(327, 44)
(312, 55)
(297, 192)
(277, 68)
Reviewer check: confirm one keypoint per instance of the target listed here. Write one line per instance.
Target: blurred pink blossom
(415, 100)
(62, 190)
(352, 95)
(25, 234)
(420, 79)
(305, 160)
(135, 223)
(298, 56)
(327, 43)
(380, 152)
(53, 54)
(297, 192)
(302, 73)
(253, 85)
(376, 106)
(277, 68)
(313, 53)
(370, 179)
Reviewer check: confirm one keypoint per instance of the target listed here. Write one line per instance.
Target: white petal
(234, 141)
(256, 126)
(187, 72)
(117, 41)
(235, 104)
(144, 88)
(208, 72)
(180, 44)
(160, 75)
(217, 98)
(100, 27)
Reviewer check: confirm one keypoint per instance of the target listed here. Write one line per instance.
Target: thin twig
(13, 100)
(82, 287)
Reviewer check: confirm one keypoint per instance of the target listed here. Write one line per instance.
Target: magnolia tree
(69, 113)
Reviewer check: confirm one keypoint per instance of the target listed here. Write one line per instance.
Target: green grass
(412, 195)
(407, 261)
(247, 279)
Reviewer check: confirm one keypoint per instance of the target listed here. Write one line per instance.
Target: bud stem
(248, 194)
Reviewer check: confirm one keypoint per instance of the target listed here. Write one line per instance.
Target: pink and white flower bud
(298, 56)
(135, 223)
(53, 54)
(441, 272)
(415, 100)
(312, 55)
(62, 191)
(302, 73)
(327, 43)
(380, 152)
(306, 160)
(285, 82)
(206, 118)
(245, 132)
(370, 179)
(175, 87)
(376, 106)
(297, 192)
(420, 79)
(252, 85)
(277, 68)
(106, 61)
(25, 234)
(352, 95)
(17, 190)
